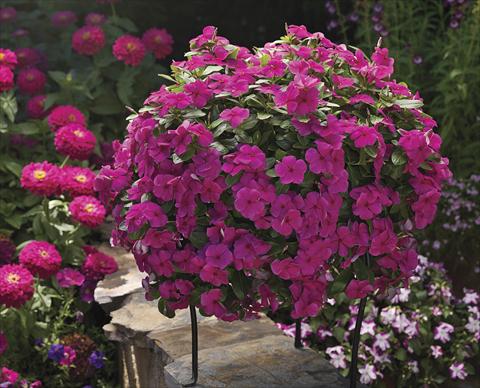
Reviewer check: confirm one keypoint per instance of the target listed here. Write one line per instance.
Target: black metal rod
(356, 343)
(298, 334)
(194, 326)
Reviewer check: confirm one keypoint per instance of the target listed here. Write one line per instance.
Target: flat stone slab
(127, 280)
(270, 361)
(176, 341)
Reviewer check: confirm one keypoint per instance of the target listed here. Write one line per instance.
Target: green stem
(65, 161)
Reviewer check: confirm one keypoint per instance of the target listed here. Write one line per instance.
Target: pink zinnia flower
(9, 376)
(291, 170)
(6, 79)
(88, 40)
(78, 181)
(75, 141)
(31, 81)
(98, 264)
(129, 49)
(36, 107)
(8, 58)
(158, 41)
(95, 19)
(16, 285)
(28, 56)
(7, 14)
(40, 178)
(7, 249)
(41, 258)
(87, 210)
(62, 19)
(63, 115)
(235, 116)
(69, 277)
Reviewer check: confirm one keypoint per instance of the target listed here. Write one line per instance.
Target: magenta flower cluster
(258, 177)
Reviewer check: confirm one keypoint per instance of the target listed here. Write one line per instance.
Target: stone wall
(155, 352)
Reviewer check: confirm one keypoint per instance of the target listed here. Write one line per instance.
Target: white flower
(368, 327)
(470, 297)
(388, 315)
(367, 374)
(337, 356)
(442, 332)
(381, 341)
(436, 351)
(473, 325)
(457, 371)
(413, 366)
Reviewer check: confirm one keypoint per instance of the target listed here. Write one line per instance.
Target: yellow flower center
(13, 278)
(78, 133)
(86, 36)
(131, 46)
(158, 39)
(71, 118)
(89, 207)
(2, 55)
(39, 174)
(30, 76)
(81, 178)
(43, 253)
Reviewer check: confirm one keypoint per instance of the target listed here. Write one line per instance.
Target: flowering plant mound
(417, 336)
(263, 178)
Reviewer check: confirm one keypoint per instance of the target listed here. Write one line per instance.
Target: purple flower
(56, 352)
(96, 359)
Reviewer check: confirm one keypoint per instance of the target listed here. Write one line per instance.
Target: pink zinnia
(87, 210)
(95, 19)
(28, 56)
(6, 79)
(7, 249)
(88, 40)
(235, 116)
(16, 285)
(129, 49)
(97, 265)
(36, 107)
(7, 14)
(40, 178)
(78, 181)
(158, 41)
(69, 277)
(291, 170)
(62, 19)
(41, 258)
(75, 141)
(63, 115)
(8, 58)
(31, 81)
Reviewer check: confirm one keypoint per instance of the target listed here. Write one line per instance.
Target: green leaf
(263, 115)
(211, 69)
(194, 114)
(14, 168)
(107, 104)
(398, 157)
(125, 84)
(400, 354)
(26, 128)
(162, 307)
(8, 104)
(339, 284)
(408, 104)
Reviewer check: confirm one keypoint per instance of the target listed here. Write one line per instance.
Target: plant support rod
(194, 327)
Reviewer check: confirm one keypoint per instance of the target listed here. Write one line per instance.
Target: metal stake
(356, 342)
(298, 334)
(194, 326)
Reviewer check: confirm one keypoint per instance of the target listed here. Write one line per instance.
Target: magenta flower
(235, 116)
(218, 256)
(291, 170)
(69, 277)
(457, 371)
(199, 93)
(364, 136)
(248, 203)
(214, 275)
(358, 289)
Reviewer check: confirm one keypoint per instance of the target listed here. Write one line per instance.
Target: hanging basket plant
(263, 179)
